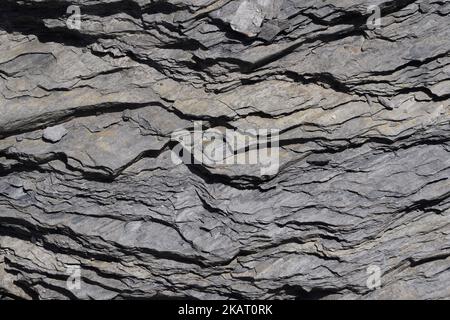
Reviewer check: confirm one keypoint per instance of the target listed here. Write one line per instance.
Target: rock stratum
(87, 117)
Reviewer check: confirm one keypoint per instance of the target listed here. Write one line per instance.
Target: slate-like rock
(92, 120)
(54, 134)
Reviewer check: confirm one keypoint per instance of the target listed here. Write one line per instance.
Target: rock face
(93, 205)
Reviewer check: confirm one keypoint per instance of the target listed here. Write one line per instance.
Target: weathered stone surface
(364, 132)
(54, 134)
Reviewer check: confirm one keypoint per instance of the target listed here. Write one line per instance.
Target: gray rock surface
(54, 134)
(364, 121)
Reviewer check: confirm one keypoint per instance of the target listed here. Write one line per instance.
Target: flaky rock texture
(87, 178)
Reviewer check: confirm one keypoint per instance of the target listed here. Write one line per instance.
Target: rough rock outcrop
(87, 176)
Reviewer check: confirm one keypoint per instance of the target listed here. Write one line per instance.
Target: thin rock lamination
(87, 177)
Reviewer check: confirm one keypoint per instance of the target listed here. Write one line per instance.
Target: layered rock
(87, 125)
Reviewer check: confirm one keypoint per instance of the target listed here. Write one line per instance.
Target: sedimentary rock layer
(87, 123)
